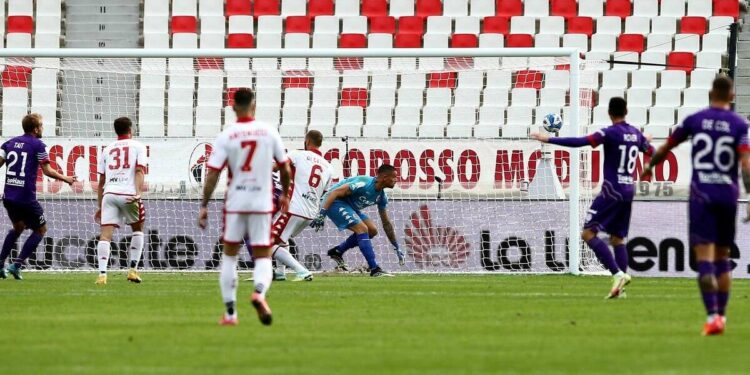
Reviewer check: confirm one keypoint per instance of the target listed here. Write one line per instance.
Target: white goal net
(475, 194)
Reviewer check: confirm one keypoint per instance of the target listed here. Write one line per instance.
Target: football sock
(349, 243)
(262, 275)
(365, 246)
(136, 249)
(707, 284)
(228, 281)
(11, 239)
(720, 268)
(28, 247)
(603, 254)
(102, 255)
(284, 258)
(621, 256)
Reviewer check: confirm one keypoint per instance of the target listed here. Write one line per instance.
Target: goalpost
(475, 193)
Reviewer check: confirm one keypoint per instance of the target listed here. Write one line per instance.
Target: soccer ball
(552, 122)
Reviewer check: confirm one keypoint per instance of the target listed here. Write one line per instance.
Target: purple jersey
(23, 155)
(622, 143)
(718, 137)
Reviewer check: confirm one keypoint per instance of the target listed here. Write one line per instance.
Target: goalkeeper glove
(399, 253)
(319, 221)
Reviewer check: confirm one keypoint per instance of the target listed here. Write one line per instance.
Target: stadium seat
(382, 97)
(656, 59)
(382, 25)
(605, 94)
(702, 78)
(354, 25)
(185, 8)
(637, 25)
(410, 97)
(638, 97)
(207, 121)
(581, 25)
(350, 120)
(20, 24)
(700, 8)
(631, 43)
(708, 60)
(240, 41)
(618, 8)
(659, 42)
(615, 79)
(536, 8)
(664, 25)
(552, 97)
(456, 8)
(496, 25)
(546, 41)
(668, 97)
(672, 8)
(715, 43)
(439, 25)
(353, 41)
(499, 79)
(646, 8)
(643, 79)
(327, 25)
(729, 8)
(351, 96)
(323, 119)
(184, 24)
(401, 8)
(467, 25)
(603, 43)
(467, 97)
(509, 8)
(687, 43)
(237, 7)
(609, 25)
(720, 25)
(270, 24)
(637, 116)
(590, 8)
(209, 8)
(552, 25)
(346, 8)
(695, 97)
(48, 8)
(523, 97)
(291, 8)
(675, 79)
(693, 25)
(563, 8)
(317, 8)
(427, 8)
(580, 41)
(519, 40)
(266, 8)
(411, 25)
(495, 97)
(663, 116)
(325, 96)
(405, 121)
(374, 8)
(378, 121)
(298, 24)
(407, 41)
(523, 25)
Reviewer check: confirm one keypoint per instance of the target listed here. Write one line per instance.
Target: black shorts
(30, 213)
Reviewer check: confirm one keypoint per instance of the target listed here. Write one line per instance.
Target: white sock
(102, 255)
(263, 275)
(136, 249)
(228, 278)
(283, 256)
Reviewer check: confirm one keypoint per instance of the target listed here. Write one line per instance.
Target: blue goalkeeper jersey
(363, 193)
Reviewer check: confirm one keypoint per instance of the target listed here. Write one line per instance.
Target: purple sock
(349, 243)
(722, 297)
(621, 255)
(28, 247)
(604, 254)
(707, 284)
(11, 240)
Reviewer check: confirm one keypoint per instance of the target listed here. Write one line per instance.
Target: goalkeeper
(344, 203)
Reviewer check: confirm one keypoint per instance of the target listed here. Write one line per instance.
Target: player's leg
(342, 215)
(235, 228)
(621, 252)
(293, 226)
(110, 219)
(11, 241)
(598, 217)
(259, 228)
(723, 273)
(135, 216)
(33, 219)
(703, 235)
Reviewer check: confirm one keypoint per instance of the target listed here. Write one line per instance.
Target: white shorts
(288, 226)
(116, 210)
(256, 227)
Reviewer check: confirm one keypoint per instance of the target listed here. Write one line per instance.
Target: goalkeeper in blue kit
(343, 204)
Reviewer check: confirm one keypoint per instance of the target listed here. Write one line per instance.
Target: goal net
(475, 193)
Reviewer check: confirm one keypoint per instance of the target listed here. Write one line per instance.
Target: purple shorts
(30, 213)
(610, 216)
(712, 222)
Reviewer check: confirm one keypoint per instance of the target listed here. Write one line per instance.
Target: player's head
(244, 102)
(32, 124)
(618, 109)
(722, 92)
(123, 127)
(313, 140)
(387, 176)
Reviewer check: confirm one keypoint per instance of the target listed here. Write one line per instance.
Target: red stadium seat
(205, 63)
(631, 43)
(681, 61)
(229, 96)
(297, 79)
(408, 41)
(581, 25)
(427, 8)
(298, 24)
(16, 76)
(266, 8)
(354, 97)
(496, 25)
(442, 80)
(320, 8)
(563, 8)
(519, 40)
(374, 8)
(384, 25)
(509, 8)
(20, 24)
(411, 25)
(353, 41)
(618, 8)
(729, 8)
(529, 79)
(464, 41)
(184, 24)
(693, 25)
(238, 8)
(240, 41)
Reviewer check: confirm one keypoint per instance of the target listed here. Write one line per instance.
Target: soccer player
(719, 143)
(22, 156)
(121, 170)
(344, 203)
(311, 177)
(610, 211)
(248, 149)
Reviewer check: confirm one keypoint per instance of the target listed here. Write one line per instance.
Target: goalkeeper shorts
(344, 216)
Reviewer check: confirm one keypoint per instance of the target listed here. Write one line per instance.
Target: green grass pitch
(56, 323)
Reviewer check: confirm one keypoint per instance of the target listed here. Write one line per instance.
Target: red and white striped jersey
(248, 149)
(118, 163)
(312, 175)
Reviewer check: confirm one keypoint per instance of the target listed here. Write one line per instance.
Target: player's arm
(212, 178)
(285, 175)
(658, 156)
(100, 197)
(593, 140)
(49, 172)
(390, 232)
(341, 192)
(2, 161)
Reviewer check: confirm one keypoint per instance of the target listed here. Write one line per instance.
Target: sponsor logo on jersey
(12, 181)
